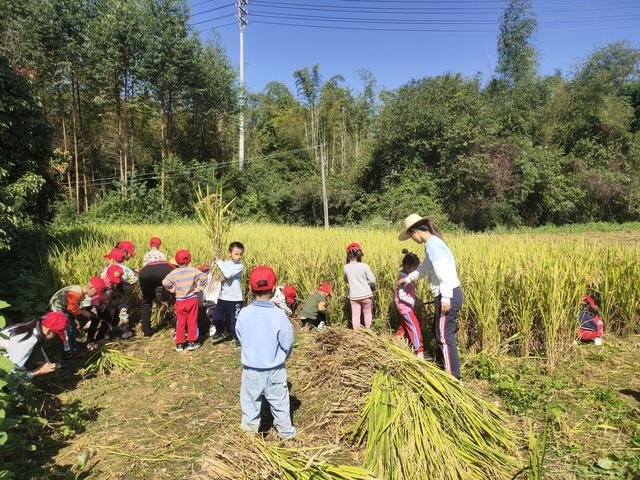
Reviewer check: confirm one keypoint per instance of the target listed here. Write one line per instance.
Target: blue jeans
(273, 385)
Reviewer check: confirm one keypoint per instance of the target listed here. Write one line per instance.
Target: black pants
(99, 325)
(225, 316)
(150, 279)
(444, 330)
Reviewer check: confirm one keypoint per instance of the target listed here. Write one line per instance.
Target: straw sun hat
(409, 222)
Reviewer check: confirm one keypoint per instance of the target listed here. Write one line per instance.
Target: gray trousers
(272, 384)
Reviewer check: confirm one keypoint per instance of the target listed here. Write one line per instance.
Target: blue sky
(568, 31)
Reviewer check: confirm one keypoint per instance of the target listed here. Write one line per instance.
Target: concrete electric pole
(242, 13)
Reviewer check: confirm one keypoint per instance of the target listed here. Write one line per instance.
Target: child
(230, 299)
(285, 298)
(154, 255)
(266, 339)
(101, 317)
(315, 308)
(23, 343)
(185, 282)
(406, 301)
(591, 327)
(119, 294)
(70, 300)
(361, 280)
(128, 248)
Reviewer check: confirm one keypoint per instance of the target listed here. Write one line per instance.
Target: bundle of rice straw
(416, 421)
(239, 455)
(215, 216)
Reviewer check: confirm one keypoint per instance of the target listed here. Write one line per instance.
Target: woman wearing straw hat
(440, 266)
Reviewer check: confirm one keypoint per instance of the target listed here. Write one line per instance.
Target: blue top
(265, 334)
(231, 289)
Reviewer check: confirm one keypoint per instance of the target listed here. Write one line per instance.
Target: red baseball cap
(99, 284)
(183, 257)
(57, 322)
(128, 247)
(290, 292)
(115, 274)
(325, 287)
(155, 242)
(116, 254)
(354, 246)
(204, 268)
(262, 279)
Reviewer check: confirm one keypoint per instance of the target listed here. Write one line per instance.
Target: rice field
(521, 290)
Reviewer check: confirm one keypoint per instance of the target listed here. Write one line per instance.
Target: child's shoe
(597, 341)
(193, 346)
(212, 331)
(218, 338)
(126, 334)
(321, 326)
(179, 347)
(420, 355)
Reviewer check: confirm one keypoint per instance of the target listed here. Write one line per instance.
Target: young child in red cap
(120, 293)
(101, 317)
(70, 301)
(22, 343)
(154, 255)
(128, 248)
(185, 282)
(361, 281)
(266, 339)
(315, 309)
(285, 298)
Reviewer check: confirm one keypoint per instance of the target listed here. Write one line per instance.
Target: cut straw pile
(109, 359)
(243, 456)
(417, 421)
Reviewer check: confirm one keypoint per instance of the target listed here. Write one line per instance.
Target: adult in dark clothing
(150, 278)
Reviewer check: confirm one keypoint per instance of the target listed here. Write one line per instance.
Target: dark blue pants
(225, 316)
(444, 331)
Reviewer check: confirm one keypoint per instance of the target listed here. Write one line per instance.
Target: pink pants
(363, 306)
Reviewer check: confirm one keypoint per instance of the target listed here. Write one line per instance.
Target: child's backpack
(590, 325)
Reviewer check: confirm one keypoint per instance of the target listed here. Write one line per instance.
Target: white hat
(409, 222)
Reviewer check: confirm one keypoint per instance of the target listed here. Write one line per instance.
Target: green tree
(516, 54)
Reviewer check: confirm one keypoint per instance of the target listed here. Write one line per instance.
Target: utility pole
(242, 13)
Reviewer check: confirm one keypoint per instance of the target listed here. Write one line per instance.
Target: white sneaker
(126, 334)
(321, 326)
(212, 330)
(597, 341)
(420, 355)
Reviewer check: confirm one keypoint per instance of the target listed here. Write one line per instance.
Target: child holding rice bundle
(361, 280)
(406, 301)
(440, 266)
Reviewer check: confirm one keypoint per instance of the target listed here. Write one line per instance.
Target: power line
(197, 4)
(113, 180)
(442, 30)
(213, 19)
(212, 9)
(263, 14)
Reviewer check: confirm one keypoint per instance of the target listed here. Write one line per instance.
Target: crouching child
(266, 339)
(590, 326)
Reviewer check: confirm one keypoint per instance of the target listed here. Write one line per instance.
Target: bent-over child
(590, 325)
(266, 339)
(285, 298)
(315, 310)
(406, 301)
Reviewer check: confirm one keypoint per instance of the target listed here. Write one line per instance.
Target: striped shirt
(185, 282)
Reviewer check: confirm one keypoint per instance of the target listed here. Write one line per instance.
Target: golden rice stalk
(109, 359)
(215, 216)
(418, 421)
(247, 457)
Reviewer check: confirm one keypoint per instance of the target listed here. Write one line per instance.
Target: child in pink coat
(406, 301)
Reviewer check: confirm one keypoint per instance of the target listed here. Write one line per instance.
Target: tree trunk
(75, 158)
(342, 141)
(86, 189)
(163, 152)
(65, 152)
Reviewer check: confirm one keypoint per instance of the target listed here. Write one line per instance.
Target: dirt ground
(157, 422)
